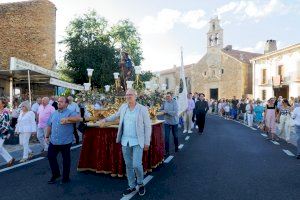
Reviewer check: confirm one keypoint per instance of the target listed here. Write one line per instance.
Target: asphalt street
(229, 161)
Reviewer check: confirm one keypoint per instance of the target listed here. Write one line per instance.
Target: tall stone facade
(27, 31)
(221, 72)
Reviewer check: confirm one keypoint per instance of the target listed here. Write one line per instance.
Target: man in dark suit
(201, 109)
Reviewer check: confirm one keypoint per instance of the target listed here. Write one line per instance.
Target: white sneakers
(185, 131)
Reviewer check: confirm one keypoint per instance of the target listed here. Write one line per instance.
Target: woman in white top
(25, 127)
(296, 117)
(249, 110)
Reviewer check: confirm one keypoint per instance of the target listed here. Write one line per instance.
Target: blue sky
(165, 25)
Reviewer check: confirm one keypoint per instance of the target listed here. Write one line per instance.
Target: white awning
(64, 84)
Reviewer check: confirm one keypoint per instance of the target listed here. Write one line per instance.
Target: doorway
(282, 91)
(214, 93)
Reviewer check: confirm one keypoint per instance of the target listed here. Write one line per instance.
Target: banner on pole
(182, 96)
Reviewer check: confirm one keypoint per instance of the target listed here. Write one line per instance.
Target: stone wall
(27, 31)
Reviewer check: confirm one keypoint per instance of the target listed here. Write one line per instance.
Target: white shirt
(35, 107)
(26, 122)
(296, 116)
(248, 109)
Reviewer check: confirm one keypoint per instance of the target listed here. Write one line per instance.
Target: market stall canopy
(19, 72)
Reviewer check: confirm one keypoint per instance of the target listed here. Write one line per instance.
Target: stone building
(220, 73)
(27, 32)
(277, 72)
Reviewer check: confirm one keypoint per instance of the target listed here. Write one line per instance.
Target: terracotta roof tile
(242, 56)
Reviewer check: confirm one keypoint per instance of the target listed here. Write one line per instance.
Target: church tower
(215, 35)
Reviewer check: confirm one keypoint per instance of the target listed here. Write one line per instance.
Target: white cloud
(166, 19)
(258, 48)
(162, 23)
(194, 19)
(253, 9)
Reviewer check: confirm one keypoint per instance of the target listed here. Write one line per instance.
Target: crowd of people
(54, 122)
(29, 122)
(278, 117)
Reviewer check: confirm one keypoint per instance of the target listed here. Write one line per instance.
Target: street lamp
(129, 84)
(138, 71)
(87, 86)
(107, 88)
(90, 73)
(117, 81)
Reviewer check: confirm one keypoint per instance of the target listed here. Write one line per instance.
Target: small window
(264, 94)
(264, 76)
(213, 72)
(205, 73)
(214, 26)
(222, 71)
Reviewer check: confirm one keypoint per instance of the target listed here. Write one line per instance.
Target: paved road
(230, 161)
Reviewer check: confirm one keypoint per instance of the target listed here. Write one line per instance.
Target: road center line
(180, 146)
(31, 161)
(75, 147)
(145, 181)
(264, 135)
(21, 164)
(168, 159)
(288, 152)
(274, 142)
(187, 138)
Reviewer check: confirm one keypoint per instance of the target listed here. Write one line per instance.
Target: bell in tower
(215, 34)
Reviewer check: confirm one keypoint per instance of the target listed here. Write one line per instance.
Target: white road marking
(75, 147)
(21, 164)
(187, 138)
(168, 159)
(288, 152)
(31, 161)
(253, 128)
(264, 135)
(145, 181)
(180, 146)
(274, 142)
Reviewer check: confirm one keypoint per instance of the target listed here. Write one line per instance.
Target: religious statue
(126, 69)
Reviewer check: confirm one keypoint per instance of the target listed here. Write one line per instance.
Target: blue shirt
(74, 107)
(129, 135)
(61, 133)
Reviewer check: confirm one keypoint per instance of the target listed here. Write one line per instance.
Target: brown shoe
(11, 162)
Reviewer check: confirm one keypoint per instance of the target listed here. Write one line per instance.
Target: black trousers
(75, 133)
(65, 151)
(201, 121)
(174, 129)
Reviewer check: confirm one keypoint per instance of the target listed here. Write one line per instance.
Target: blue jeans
(234, 113)
(133, 157)
(168, 128)
(297, 128)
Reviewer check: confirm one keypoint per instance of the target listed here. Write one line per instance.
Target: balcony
(265, 82)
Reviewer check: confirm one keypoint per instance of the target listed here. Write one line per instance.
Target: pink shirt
(44, 114)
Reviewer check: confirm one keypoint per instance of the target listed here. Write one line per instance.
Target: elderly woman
(5, 131)
(25, 127)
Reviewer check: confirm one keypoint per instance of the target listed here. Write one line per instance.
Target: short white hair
(26, 104)
(132, 90)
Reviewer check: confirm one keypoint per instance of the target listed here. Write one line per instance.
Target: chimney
(228, 48)
(270, 46)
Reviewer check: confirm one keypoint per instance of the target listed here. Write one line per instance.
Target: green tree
(126, 34)
(146, 76)
(89, 46)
